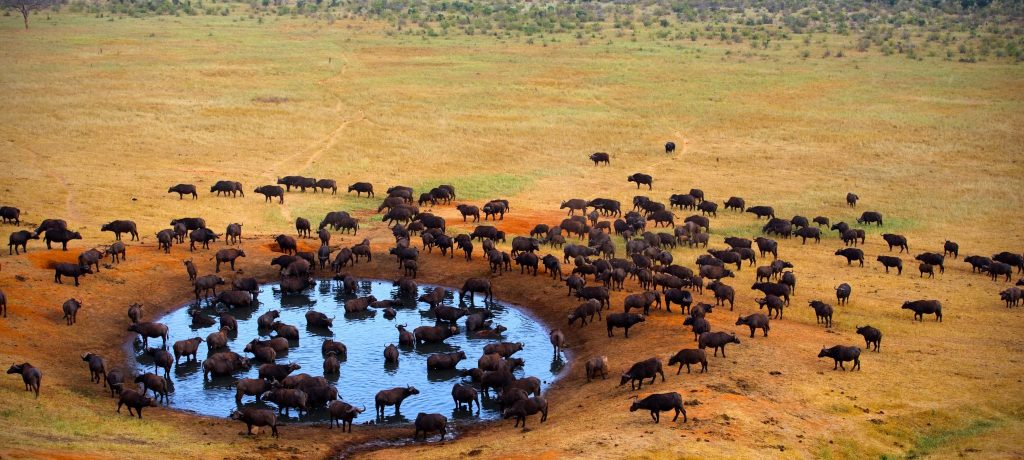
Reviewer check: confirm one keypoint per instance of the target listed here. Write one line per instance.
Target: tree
(26, 6)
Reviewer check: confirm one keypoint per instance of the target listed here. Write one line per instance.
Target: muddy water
(363, 372)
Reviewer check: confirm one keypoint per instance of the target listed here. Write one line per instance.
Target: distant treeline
(952, 29)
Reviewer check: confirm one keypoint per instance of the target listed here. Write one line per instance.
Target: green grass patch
(746, 230)
(898, 226)
(484, 186)
(939, 438)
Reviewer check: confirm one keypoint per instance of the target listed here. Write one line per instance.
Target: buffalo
(324, 184)
(891, 262)
(869, 217)
(465, 394)
(115, 382)
(51, 224)
(299, 182)
(1011, 259)
(90, 258)
(119, 227)
(951, 248)
(843, 292)
(767, 245)
(278, 372)
(428, 423)
(161, 386)
(30, 375)
(808, 232)
(476, 285)
(996, 269)
(841, 353)
(256, 417)
(201, 235)
(62, 236)
(271, 191)
(754, 322)
(495, 209)
(683, 201)
(165, 238)
(20, 238)
(134, 400)
(184, 189)
(932, 258)
(66, 269)
(924, 307)
(393, 397)
(361, 188)
(525, 407)
(822, 312)
(206, 284)
(70, 308)
(97, 369)
(10, 214)
(688, 356)
(772, 302)
(445, 360)
(737, 203)
(228, 256)
(851, 254)
(287, 398)
(894, 240)
(504, 349)
(225, 187)
(658, 403)
(762, 211)
(186, 348)
(716, 340)
(117, 252)
(708, 208)
(600, 157)
(623, 320)
(641, 179)
(434, 334)
(872, 336)
(345, 412)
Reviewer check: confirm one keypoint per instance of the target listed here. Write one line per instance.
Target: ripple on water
(363, 372)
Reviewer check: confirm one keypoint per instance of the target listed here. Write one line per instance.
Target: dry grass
(98, 118)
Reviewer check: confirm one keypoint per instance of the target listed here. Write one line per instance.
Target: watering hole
(363, 372)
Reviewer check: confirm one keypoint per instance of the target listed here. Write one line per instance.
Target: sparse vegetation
(916, 107)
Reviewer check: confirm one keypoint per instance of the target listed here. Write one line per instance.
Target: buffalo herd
(596, 271)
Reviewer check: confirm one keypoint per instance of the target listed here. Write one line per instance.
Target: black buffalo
(661, 402)
(641, 179)
(226, 187)
(924, 307)
(119, 227)
(851, 254)
(841, 353)
(870, 217)
(184, 189)
(271, 191)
